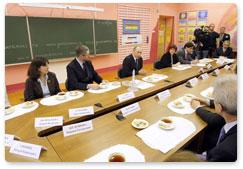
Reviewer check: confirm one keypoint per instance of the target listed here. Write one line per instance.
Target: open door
(165, 34)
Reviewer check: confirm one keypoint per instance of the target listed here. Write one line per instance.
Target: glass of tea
(116, 157)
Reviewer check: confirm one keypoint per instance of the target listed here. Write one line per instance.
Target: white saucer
(140, 123)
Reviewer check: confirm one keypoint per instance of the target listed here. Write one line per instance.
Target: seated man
(222, 126)
(224, 51)
(168, 59)
(81, 73)
(132, 62)
(185, 55)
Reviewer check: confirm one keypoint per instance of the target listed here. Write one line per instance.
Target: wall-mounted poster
(190, 37)
(202, 17)
(131, 26)
(182, 30)
(192, 18)
(190, 30)
(182, 19)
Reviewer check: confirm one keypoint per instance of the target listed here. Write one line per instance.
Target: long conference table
(108, 130)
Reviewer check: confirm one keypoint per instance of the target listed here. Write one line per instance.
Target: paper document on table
(165, 140)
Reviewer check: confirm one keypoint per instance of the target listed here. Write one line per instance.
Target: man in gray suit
(185, 55)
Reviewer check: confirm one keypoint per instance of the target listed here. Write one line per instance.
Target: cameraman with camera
(202, 39)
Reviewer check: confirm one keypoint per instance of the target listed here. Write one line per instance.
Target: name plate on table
(8, 139)
(49, 121)
(130, 109)
(77, 128)
(227, 67)
(26, 149)
(209, 66)
(220, 61)
(204, 76)
(125, 96)
(193, 81)
(216, 71)
(163, 95)
(81, 111)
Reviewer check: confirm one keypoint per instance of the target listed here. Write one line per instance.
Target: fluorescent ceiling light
(62, 6)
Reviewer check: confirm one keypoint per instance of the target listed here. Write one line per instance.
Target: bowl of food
(166, 123)
(61, 96)
(103, 85)
(73, 93)
(9, 110)
(187, 98)
(28, 104)
(140, 123)
(178, 104)
(116, 157)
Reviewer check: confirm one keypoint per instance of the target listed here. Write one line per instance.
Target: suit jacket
(165, 61)
(33, 88)
(212, 41)
(228, 52)
(78, 78)
(128, 65)
(226, 150)
(182, 57)
(224, 38)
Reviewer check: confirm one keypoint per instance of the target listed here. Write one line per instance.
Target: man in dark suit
(81, 73)
(134, 61)
(223, 36)
(226, 51)
(221, 132)
(185, 55)
(212, 39)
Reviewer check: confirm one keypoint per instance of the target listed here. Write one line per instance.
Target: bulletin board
(188, 22)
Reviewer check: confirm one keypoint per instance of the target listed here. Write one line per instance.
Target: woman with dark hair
(40, 83)
(168, 59)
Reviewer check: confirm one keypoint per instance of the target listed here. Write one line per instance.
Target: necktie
(171, 56)
(137, 64)
(85, 68)
(221, 135)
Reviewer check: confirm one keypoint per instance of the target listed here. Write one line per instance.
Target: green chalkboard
(106, 36)
(16, 40)
(58, 37)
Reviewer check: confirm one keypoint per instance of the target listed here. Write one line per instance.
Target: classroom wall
(17, 74)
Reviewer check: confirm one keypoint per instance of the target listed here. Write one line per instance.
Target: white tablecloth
(154, 78)
(182, 67)
(131, 154)
(187, 106)
(110, 86)
(51, 101)
(165, 140)
(20, 110)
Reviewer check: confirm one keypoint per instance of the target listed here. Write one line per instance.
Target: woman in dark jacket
(168, 59)
(40, 83)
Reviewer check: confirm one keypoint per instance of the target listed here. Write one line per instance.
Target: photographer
(202, 39)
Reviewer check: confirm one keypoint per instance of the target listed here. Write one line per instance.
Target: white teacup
(28, 104)
(166, 123)
(61, 96)
(103, 85)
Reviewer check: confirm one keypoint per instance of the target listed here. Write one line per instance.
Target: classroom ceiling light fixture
(62, 6)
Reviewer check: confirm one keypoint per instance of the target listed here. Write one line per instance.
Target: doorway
(165, 34)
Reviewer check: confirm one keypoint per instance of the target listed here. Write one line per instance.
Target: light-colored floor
(18, 96)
